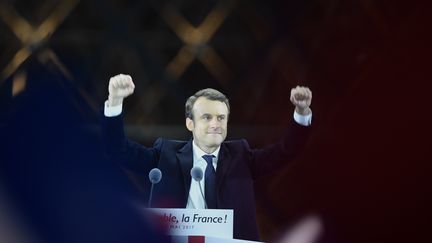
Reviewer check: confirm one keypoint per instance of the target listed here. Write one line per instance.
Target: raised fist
(301, 97)
(120, 87)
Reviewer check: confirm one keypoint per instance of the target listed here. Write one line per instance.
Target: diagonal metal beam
(196, 41)
(31, 36)
(17, 24)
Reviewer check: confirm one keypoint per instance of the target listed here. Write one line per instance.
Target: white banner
(205, 222)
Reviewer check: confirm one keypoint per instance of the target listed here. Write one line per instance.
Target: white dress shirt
(195, 199)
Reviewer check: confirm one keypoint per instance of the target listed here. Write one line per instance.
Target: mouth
(214, 133)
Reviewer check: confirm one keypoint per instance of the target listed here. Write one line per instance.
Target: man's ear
(189, 124)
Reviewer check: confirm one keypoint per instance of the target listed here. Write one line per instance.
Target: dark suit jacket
(238, 167)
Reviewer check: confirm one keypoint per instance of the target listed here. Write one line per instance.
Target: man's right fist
(120, 87)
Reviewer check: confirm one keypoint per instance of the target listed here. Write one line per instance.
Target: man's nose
(215, 123)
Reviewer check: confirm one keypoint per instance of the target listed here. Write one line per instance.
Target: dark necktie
(210, 182)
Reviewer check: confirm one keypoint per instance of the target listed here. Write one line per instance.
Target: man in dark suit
(230, 167)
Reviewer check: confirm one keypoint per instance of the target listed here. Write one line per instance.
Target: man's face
(209, 124)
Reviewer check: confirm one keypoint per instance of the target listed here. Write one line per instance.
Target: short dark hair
(208, 93)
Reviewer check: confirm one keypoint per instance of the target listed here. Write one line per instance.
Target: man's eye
(206, 117)
(221, 118)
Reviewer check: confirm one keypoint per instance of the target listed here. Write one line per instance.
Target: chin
(215, 143)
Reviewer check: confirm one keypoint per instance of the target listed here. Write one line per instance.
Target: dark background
(364, 172)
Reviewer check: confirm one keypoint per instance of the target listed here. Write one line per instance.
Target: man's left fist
(301, 97)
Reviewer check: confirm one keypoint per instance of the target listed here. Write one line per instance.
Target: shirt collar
(199, 153)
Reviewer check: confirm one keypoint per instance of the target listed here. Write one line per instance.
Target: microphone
(155, 176)
(197, 175)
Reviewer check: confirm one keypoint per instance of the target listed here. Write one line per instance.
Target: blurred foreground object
(307, 230)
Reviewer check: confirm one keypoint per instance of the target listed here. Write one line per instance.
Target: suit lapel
(185, 159)
(223, 165)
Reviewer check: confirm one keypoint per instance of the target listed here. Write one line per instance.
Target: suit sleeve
(126, 152)
(269, 159)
